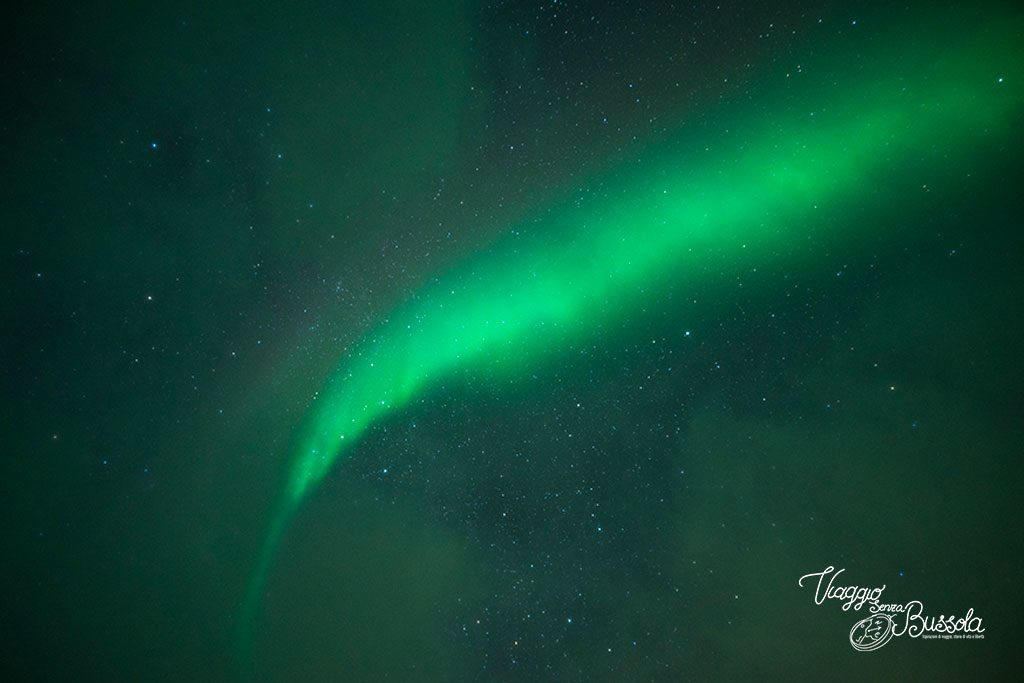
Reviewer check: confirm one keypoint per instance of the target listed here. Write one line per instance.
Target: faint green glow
(789, 158)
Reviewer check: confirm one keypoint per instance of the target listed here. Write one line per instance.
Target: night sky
(518, 341)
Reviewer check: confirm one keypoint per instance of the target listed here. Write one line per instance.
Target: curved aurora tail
(864, 131)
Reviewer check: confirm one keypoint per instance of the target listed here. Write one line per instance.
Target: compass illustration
(871, 632)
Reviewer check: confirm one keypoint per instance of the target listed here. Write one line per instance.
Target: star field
(507, 341)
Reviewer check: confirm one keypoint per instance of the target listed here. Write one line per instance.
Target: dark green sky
(213, 214)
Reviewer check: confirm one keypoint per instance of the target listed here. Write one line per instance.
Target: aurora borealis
(526, 341)
(542, 290)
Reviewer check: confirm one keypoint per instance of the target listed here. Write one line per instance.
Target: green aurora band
(863, 132)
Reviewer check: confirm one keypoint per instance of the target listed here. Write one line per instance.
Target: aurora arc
(860, 134)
